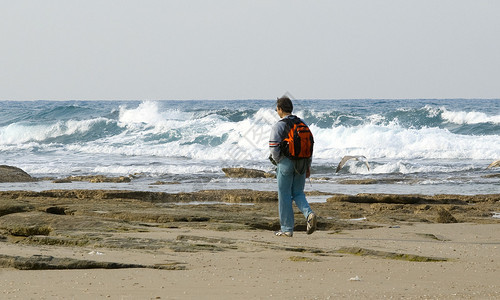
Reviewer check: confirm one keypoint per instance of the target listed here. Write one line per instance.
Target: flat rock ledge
(415, 198)
(389, 255)
(46, 262)
(94, 179)
(13, 174)
(229, 196)
(246, 173)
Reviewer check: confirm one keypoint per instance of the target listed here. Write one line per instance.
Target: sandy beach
(141, 147)
(164, 246)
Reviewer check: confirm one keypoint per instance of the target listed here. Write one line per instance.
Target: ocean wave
(404, 167)
(412, 117)
(148, 112)
(62, 112)
(462, 117)
(248, 140)
(396, 142)
(200, 137)
(152, 130)
(60, 131)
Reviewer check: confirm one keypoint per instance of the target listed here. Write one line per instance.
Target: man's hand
(272, 160)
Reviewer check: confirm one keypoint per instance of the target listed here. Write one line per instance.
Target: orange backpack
(298, 141)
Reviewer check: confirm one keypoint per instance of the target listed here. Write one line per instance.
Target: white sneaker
(284, 233)
(311, 223)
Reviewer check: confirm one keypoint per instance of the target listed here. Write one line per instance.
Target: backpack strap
(289, 121)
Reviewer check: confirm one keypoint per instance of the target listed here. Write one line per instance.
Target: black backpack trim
(284, 147)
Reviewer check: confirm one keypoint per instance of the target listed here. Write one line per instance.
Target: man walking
(292, 171)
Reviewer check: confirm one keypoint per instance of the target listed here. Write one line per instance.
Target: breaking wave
(195, 136)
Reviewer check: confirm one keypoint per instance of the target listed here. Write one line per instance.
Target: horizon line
(251, 99)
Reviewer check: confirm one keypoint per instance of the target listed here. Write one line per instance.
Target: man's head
(285, 104)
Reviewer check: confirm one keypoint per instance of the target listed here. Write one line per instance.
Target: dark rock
(205, 239)
(159, 182)
(13, 174)
(388, 255)
(95, 179)
(246, 173)
(374, 181)
(45, 262)
(64, 180)
(491, 176)
(401, 199)
(12, 208)
(445, 216)
(30, 230)
(56, 210)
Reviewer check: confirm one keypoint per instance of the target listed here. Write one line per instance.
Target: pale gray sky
(249, 49)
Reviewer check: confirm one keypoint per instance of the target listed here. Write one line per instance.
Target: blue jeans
(290, 188)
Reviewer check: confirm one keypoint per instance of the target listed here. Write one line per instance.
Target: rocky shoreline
(224, 232)
(65, 217)
(56, 216)
(212, 234)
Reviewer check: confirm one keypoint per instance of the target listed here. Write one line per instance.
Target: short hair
(285, 104)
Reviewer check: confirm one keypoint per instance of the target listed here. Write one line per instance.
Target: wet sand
(165, 246)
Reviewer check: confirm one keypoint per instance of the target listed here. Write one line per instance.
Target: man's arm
(275, 140)
(308, 170)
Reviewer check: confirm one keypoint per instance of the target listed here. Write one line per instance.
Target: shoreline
(258, 180)
(366, 246)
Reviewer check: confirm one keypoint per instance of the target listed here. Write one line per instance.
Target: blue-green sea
(412, 146)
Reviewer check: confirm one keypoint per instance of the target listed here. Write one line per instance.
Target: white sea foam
(386, 168)
(179, 169)
(395, 142)
(160, 140)
(463, 117)
(248, 139)
(20, 133)
(148, 113)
